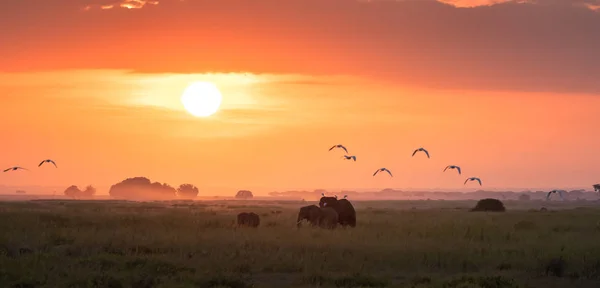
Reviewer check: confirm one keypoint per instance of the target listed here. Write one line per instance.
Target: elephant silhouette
(248, 219)
(345, 210)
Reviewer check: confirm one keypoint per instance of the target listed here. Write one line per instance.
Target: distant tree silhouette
(72, 191)
(141, 188)
(89, 191)
(244, 194)
(187, 191)
(524, 197)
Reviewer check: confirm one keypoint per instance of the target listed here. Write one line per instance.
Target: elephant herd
(330, 213)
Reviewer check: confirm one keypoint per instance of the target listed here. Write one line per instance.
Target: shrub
(489, 204)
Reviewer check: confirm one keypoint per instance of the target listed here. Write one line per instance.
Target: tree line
(143, 188)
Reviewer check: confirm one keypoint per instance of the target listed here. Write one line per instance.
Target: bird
(452, 167)
(345, 196)
(421, 149)
(560, 193)
(348, 157)
(339, 146)
(383, 169)
(15, 169)
(473, 179)
(597, 187)
(48, 161)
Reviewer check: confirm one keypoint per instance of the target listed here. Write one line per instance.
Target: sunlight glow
(201, 99)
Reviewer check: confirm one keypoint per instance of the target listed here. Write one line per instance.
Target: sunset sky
(508, 90)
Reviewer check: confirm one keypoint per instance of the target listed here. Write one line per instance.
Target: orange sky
(98, 91)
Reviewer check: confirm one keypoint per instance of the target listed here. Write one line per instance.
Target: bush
(489, 204)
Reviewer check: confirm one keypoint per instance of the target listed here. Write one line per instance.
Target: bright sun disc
(201, 99)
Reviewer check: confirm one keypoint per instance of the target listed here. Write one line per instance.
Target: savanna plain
(435, 243)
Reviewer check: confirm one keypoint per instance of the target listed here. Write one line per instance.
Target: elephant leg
(352, 222)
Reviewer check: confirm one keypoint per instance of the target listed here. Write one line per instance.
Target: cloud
(546, 45)
(126, 4)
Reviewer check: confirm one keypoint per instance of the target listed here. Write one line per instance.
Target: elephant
(328, 218)
(346, 212)
(248, 219)
(310, 213)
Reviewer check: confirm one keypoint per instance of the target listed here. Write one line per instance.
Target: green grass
(196, 244)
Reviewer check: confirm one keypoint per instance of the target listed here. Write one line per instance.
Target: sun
(201, 99)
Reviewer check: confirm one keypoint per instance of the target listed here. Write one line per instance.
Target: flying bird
(452, 167)
(350, 157)
(473, 179)
(381, 170)
(339, 146)
(421, 149)
(15, 169)
(560, 193)
(48, 161)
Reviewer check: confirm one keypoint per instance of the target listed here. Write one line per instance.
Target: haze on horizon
(508, 90)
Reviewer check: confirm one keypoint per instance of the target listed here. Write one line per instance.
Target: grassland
(196, 244)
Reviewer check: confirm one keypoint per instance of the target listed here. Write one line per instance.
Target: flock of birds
(420, 149)
(353, 157)
(15, 168)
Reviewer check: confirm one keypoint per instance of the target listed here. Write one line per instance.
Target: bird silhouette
(15, 169)
(381, 170)
(339, 146)
(421, 149)
(48, 161)
(560, 193)
(452, 167)
(345, 196)
(473, 179)
(350, 157)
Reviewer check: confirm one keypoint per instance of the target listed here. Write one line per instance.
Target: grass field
(395, 244)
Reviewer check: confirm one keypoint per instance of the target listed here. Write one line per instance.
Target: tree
(72, 191)
(89, 191)
(244, 194)
(141, 188)
(187, 191)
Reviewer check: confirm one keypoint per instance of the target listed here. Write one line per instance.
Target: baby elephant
(310, 213)
(248, 219)
(329, 218)
(323, 217)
